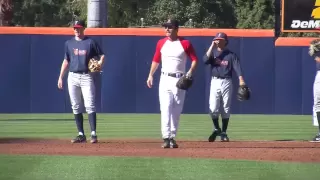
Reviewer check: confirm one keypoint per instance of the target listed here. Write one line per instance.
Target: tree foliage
(6, 12)
(255, 14)
(248, 14)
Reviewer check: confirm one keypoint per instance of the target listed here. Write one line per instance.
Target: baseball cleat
(94, 139)
(79, 139)
(173, 143)
(166, 143)
(224, 137)
(316, 138)
(214, 135)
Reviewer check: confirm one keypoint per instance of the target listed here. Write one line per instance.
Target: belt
(220, 77)
(176, 75)
(81, 72)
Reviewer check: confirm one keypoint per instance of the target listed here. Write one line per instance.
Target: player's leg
(165, 99)
(76, 104)
(178, 103)
(316, 101)
(214, 107)
(226, 91)
(88, 92)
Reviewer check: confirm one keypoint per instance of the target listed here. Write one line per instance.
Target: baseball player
(172, 51)
(222, 61)
(78, 51)
(315, 53)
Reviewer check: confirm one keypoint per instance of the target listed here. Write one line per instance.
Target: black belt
(81, 72)
(176, 75)
(220, 77)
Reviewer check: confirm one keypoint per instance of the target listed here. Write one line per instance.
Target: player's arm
(208, 58)
(65, 62)
(155, 63)
(237, 68)
(64, 68)
(194, 60)
(156, 59)
(153, 68)
(99, 52)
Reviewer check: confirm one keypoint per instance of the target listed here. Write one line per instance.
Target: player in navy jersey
(78, 51)
(223, 62)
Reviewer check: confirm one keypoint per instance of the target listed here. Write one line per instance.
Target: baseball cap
(221, 35)
(79, 24)
(171, 23)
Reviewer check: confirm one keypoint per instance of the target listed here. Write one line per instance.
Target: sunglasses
(169, 27)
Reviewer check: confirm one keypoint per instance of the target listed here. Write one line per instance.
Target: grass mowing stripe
(192, 126)
(67, 167)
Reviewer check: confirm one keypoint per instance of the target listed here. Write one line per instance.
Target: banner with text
(300, 15)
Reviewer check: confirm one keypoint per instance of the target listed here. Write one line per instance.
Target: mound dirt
(290, 151)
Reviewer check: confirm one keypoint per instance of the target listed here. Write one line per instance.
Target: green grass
(192, 127)
(89, 168)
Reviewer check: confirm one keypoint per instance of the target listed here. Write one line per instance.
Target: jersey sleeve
(236, 65)
(66, 52)
(188, 48)
(157, 53)
(208, 60)
(97, 51)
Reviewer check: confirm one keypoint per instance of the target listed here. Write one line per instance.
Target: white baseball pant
(220, 97)
(316, 98)
(81, 87)
(171, 104)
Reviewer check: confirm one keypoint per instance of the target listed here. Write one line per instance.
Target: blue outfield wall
(280, 77)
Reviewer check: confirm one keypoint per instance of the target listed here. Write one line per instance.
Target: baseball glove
(314, 47)
(94, 66)
(244, 93)
(184, 82)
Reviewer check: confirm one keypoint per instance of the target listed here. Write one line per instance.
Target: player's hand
(189, 74)
(214, 43)
(60, 83)
(150, 81)
(242, 83)
(100, 63)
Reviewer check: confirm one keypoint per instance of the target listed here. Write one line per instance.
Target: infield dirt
(290, 151)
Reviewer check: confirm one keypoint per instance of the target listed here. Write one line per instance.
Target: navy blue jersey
(78, 53)
(223, 63)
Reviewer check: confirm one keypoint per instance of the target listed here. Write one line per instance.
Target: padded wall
(280, 77)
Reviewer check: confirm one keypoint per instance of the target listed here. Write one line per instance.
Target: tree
(204, 13)
(49, 13)
(255, 14)
(6, 12)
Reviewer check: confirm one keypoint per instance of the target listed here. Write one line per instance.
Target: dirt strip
(289, 151)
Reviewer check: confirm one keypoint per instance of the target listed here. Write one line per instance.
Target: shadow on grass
(23, 120)
(18, 140)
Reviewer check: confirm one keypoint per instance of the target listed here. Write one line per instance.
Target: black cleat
(94, 139)
(214, 135)
(173, 143)
(166, 143)
(224, 137)
(316, 138)
(79, 139)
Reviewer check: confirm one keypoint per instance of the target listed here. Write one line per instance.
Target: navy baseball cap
(79, 24)
(171, 23)
(221, 35)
